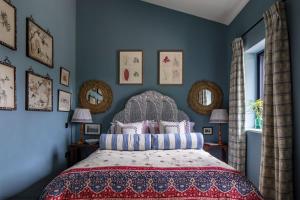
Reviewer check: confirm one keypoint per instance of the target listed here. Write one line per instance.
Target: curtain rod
(254, 25)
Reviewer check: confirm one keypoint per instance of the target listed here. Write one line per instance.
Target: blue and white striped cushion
(177, 141)
(125, 142)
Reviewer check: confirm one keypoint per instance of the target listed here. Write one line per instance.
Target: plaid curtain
(237, 137)
(276, 178)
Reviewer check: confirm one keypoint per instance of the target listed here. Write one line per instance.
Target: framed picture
(207, 131)
(64, 77)
(8, 27)
(64, 101)
(39, 92)
(39, 43)
(170, 67)
(130, 67)
(7, 86)
(92, 129)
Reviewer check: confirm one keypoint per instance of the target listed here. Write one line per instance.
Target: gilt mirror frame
(193, 97)
(107, 94)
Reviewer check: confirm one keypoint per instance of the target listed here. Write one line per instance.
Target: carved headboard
(150, 105)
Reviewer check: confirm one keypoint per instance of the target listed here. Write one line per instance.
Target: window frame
(260, 73)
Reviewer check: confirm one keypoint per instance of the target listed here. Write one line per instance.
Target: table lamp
(219, 116)
(82, 116)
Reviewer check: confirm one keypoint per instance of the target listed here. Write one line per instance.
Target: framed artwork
(39, 43)
(170, 67)
(92, 129)
(39, 92)
(7, 86)
(8, 27)
(64, 77)
(130, 67)
(207, 131)
(64, 101)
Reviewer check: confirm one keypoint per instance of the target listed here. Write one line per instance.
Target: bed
(152, 174)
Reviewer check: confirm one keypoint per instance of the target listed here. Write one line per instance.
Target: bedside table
(215, 146)
(78, 152)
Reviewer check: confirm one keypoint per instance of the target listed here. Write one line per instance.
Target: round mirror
(96, 96)
(204, 96)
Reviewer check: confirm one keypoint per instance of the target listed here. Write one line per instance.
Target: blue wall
(103, 27)
(33, 144)
(249, 16)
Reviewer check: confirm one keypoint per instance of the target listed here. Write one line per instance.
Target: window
(261, 74)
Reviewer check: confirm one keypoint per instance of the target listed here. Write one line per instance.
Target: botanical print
(39, 92)
(64, 101)
(7, 87)
(131, 67)
(64, 76)
(170, 67)
(39, 44)
(7, 24)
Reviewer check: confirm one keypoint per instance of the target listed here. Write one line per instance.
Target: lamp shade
(219, 116)
(82, 115)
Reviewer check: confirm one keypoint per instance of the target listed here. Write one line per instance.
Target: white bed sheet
(151, 158)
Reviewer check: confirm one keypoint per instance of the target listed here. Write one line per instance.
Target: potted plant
(257, 108)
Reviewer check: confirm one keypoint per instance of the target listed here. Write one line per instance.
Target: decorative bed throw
(177, 141)
(125, 142)
(201, 183)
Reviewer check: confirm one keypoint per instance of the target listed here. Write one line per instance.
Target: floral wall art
(64, 101)
(131, 67)
(39, 92)
(8, 25)
(7, 86)
(39, 44)
(171, 67)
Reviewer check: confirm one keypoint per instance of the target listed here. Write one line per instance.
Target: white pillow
(172, 127)
(130, 128)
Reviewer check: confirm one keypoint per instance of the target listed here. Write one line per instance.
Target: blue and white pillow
(177, 141)
(125, 142)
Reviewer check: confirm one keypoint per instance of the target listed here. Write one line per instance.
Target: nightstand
(78, 152)
(220, 147)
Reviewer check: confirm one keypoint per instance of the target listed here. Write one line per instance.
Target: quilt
(134, 182)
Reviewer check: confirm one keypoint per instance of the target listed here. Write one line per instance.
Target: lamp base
(81, 140)
(220, 136)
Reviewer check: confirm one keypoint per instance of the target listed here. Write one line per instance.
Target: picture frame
(130, 67)
(170, 67)
(7, 86)
(39, 92)
(64, 77)
(8, 30)
(92, 129)
(39, 43)
(207, 130)
(63, 101)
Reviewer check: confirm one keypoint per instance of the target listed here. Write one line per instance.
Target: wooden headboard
(150, 105)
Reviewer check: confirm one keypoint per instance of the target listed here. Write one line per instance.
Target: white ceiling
(222, 11)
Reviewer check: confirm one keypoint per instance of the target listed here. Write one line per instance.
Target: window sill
(254, 130)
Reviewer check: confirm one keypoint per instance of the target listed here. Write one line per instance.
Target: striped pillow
(177, 141)
(125, 142)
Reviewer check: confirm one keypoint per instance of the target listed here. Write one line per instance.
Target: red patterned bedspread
(150, 183)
